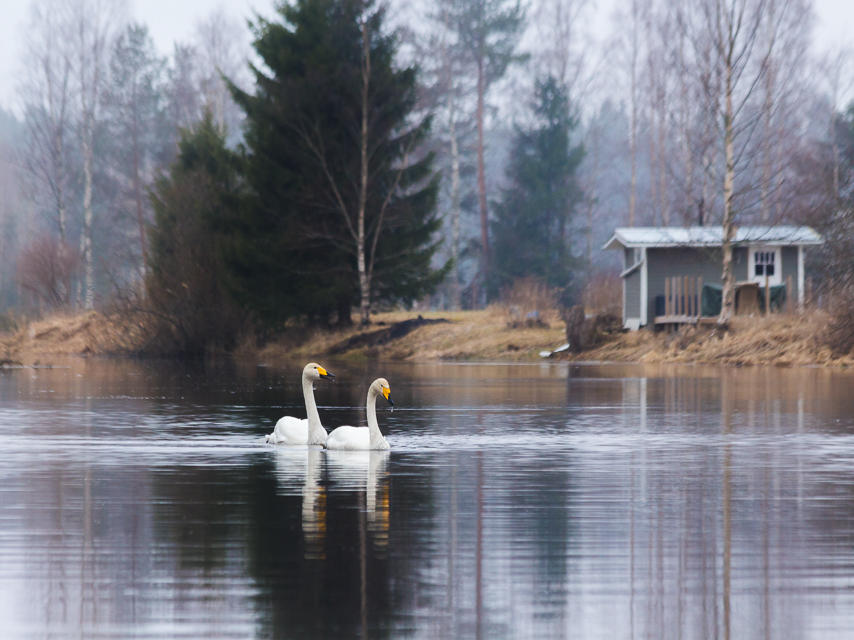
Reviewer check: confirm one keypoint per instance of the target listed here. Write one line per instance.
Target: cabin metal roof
(785, 235)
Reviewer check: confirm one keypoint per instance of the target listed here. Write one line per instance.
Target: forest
(338, 157)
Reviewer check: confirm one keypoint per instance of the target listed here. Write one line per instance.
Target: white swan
(290, 430)
(360, 438)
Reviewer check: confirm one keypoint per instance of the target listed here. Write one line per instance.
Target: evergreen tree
(532, 219)
(343, 202)
(186, 283)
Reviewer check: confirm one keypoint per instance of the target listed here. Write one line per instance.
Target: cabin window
(763, 263)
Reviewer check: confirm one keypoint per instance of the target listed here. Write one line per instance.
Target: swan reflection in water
(299, 471)
(365, 472)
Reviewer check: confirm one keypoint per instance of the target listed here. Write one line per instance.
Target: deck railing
(683, 300)
(683, 297)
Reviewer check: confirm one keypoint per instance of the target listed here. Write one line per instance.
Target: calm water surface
(139, 500)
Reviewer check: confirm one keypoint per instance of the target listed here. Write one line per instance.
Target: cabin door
(762, 262)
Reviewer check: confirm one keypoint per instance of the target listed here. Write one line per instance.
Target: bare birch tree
(184, 102)
(223, 48)
(743, 38)
(836, 73)
(448, 92)
(562, 47)
(46, 96)
(630, 48)
(94, 25)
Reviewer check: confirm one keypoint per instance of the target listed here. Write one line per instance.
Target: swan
(362, 438)
(290, 430)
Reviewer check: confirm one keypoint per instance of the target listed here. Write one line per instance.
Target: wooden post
(692, 301)
(674, 295)
(687, 295)
(667, 296)
(699, 296)
(789, 301)
(688, 306)
(767, 294)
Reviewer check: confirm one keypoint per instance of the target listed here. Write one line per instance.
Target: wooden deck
(683, 319)
(683, 301)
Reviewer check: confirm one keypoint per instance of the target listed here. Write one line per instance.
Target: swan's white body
(293, 431)
(363, 438)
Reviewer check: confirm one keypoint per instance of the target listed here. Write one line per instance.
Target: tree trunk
(137, 194)
(481, 173)
(59, 151)
(633, 137)
(455, 214)
(88, 216)
(361, 265)
(62, 213)
(728, 277)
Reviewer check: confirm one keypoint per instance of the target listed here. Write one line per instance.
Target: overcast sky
(171, 20)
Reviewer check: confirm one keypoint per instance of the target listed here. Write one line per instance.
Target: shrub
(603, 294)
(838, 335)
(530, 302)
(46, 270)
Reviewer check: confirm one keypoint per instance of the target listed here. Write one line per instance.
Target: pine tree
(343, 204)
(532, 223)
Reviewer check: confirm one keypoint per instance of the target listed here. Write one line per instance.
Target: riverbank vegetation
(492, 334)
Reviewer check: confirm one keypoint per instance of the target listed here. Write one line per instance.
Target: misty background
(87, 128)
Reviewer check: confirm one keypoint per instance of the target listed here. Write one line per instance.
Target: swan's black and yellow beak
(387, 395)
(323, 373)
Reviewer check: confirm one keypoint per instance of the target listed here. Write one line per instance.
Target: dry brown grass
(85, 333)
(526, 297)
(469, 335)
(779, 339)
(603, 294)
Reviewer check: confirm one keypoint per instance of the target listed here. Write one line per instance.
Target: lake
(138, 499)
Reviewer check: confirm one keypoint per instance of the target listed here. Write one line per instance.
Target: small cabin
(672, 275)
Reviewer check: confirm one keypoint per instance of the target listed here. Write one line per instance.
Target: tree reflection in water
(523, 501)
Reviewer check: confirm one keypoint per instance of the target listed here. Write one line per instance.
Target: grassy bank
(467, 335)
(785, 340)
(778, 340)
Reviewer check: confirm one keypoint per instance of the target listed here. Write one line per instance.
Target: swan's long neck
(316, 432)
(373, 427)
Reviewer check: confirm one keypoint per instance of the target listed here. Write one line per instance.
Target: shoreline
(785, 340)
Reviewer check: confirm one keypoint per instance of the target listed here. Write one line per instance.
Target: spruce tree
(187, 280)
(532, 221)
(342, 210)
